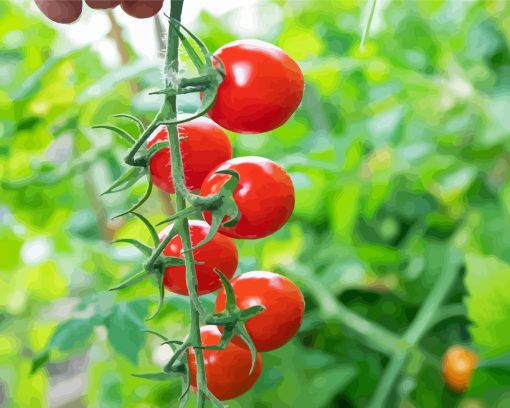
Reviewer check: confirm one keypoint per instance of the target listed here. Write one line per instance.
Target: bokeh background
(400, 158)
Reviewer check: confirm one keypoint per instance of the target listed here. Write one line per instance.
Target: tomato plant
(264, 196)
(227, 371)
(458, 366)
(220, 253)
(263, 87)
(283, 313)
(203, 144)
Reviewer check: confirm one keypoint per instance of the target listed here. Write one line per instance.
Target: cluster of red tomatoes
(68, 11)
(263, 86)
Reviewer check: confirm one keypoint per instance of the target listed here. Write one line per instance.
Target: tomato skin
(262, 88)
(264, 196)
(283, 302)
(60, 11)
(102, 4)
(226, 371)
(141, 8)
(220, 252)
(205, 146)
(458, 366)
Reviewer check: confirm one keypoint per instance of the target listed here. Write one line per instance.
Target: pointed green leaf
(133, 280)
(229, 292)
(154, 376)
(133, 118)
(243, 333)
(142, 200)
(150, 228)
(126, 326)
(72, 335)
(40, 360)
(126, 180)
(144, 249)
(487, 281)
(161, 287)
(121, 132)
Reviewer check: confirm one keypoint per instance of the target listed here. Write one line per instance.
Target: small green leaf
(154, 376)
(71, 335)
(40, 360)
(121, 132)
(138, 122)
(144, 249)
(125, 326)
(150, 228)
(487, 281)
(133, 280)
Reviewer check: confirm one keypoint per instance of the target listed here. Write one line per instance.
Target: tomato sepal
(120, 132)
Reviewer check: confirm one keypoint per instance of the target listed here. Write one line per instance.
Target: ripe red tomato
(226, 371)
(141, 8)
(204, 146)
(284, 308)
(63, 11)
(262, 88)
(220, 253)
(264, 196)
(458, 366)
(102, 4)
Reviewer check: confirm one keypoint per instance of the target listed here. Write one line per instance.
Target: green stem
(373, 335)
(367, 26)
(426, 317)
(169, 113)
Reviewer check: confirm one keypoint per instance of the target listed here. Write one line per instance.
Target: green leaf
(33, 83)
(72, 335)
(328, 383)
(487, 281)
(40, 360)
(126, 328)
(108, 82)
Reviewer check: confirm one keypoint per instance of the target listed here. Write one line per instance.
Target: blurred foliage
(397, 153)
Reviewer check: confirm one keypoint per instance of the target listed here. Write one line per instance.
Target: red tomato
(141, 8)
(102, 4)
(226, 371)
(264, 196)
(262, 88)
(283, 302)
(204, 146)
(60, 11)
(220, 253)
(458, 366)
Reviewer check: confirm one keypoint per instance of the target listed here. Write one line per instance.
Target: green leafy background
(398, 153)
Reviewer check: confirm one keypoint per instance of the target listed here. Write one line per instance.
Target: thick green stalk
(169, 113)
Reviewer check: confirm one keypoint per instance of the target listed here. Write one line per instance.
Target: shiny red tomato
(220, 253)
(204, 145)
(264, 196)
(227, 371)
(262, 88)
(283, 302)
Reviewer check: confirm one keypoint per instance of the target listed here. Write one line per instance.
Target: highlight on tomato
(220, 252)
(458, 365)
(283, 313)
(204, 145)
(227, 371)
(262, 88)
(264, 196)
